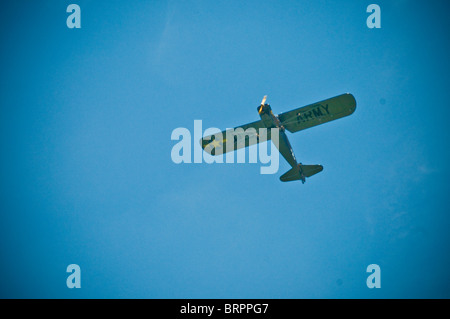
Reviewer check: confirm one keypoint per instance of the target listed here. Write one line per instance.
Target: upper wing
(318, 113)
(239, 137)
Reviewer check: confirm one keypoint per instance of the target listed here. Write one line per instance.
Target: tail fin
(301, 172)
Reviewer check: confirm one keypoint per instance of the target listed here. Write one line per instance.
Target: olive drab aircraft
(292, 121)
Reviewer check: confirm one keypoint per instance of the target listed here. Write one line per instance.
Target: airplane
(293, 121)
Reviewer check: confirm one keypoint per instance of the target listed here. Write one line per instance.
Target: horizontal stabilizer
(301, 172)
(310, 170)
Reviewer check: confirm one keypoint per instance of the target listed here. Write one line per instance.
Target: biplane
(292, 121)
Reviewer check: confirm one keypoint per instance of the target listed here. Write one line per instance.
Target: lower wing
(318, 113)
(236, 138)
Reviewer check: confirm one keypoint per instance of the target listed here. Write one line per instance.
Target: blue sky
(87, 178)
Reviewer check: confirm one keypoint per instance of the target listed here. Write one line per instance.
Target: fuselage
(268, 118)
(271, 121)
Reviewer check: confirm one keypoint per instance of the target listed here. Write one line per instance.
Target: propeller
(264, 100)
(262, 103)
